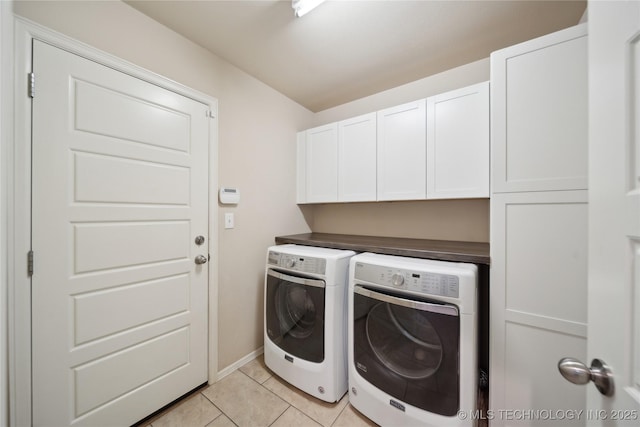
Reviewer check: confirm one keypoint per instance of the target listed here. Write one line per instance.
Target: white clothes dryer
(305, 309)
(412, 340)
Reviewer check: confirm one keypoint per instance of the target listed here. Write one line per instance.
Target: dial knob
(397, 280)
(290, 263)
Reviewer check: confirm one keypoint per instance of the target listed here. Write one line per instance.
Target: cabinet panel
(301, 168)
(545, 243)
(402, 161)
(357, 159)
(533, 381)
(458, 143)
(539, 113)
(321, 150)
(538, 297)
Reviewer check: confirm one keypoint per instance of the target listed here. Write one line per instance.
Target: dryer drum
(296, 311)
(404, 342)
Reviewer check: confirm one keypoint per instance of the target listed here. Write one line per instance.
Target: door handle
(577, 372)
(201, 259)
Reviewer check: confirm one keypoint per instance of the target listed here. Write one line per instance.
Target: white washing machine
(305, 306)
(412, 340)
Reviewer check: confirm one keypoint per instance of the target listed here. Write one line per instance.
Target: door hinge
(210, 114)
(32, 85)
(30, 263)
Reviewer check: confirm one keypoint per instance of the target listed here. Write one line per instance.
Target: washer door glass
(404, 341)
(408, 347)
(294, 312)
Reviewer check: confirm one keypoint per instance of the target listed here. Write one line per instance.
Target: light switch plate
(229, 221)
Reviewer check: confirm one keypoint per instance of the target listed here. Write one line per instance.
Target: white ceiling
(347, 49)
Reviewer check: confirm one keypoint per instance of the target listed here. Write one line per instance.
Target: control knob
(289, 263)
(397, 280)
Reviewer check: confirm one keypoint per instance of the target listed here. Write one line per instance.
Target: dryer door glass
(408, 348)
(295, 315)
(404, 341)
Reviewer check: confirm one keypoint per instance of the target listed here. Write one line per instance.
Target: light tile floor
(254, 396)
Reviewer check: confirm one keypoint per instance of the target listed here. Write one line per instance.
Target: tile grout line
(290, 405)
(219, 409)
(258, 374)
(340, 413)
(269, 391)
(280, 416)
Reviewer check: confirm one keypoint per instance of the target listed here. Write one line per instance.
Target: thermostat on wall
(229, 196)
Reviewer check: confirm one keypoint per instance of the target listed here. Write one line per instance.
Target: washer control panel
(297, 263)
(422, 282)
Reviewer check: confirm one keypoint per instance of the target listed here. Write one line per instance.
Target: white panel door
(458, 143)
(539, 113)
(402, 152)
(119, 308)
(614, 208)
(357, 159)
(321, 151)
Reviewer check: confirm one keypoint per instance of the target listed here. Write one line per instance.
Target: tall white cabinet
(538, 300)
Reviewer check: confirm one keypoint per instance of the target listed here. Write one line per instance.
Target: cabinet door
(538, 299)
(402, 152)
(458, 143)
(321, 150)
(539, 113)
(301, 168)
(357, 159)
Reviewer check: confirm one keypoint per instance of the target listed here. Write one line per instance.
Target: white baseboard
(234, 366)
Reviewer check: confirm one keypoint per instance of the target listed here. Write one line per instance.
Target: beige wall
(257, 128)
(455, 78)
(465, 220)
(462, 220)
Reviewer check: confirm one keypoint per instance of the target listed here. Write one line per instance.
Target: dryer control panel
(297, 263)
(446, 285)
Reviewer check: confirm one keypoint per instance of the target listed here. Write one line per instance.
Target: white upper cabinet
(357, 159)
(321, 169)
(434, 148)
(301, 168)
(402, 165)
(458, 143)
(541, 144)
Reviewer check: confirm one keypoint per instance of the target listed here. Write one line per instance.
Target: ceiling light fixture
(301, 7)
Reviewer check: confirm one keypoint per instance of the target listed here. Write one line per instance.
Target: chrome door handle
(201, 259)
(577, 372)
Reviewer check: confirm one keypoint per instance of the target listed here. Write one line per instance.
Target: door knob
(577, 372)
(201, 259)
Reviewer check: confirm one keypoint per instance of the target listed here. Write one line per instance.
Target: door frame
(16, 167)
(6, 135)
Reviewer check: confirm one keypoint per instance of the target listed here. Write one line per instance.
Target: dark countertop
(444, 250)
